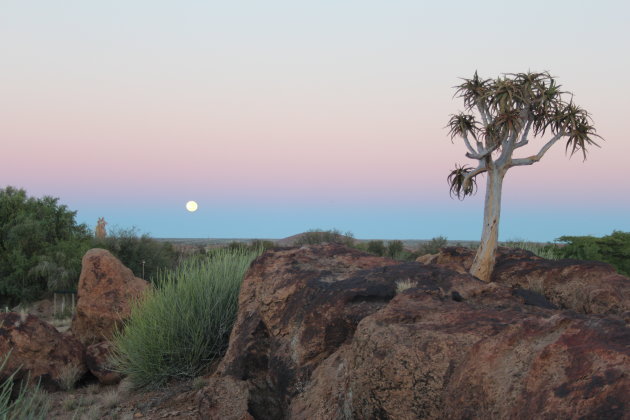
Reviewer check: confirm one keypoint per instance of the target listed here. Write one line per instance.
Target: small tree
(41, 245)
(510, 108)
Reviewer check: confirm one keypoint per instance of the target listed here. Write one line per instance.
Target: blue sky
(278, 117)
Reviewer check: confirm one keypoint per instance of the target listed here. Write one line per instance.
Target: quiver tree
(501, 116)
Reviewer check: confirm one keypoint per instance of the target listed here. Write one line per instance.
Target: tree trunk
(486, 253)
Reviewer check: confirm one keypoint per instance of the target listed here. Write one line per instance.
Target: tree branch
(535, 158)
(483, 153)
(478, 170)
(468, 145)
(524, 140)
(508, 148)
(485, 113)
(481, 109)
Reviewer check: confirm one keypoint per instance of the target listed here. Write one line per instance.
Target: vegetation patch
(30, 403)
(183, 324)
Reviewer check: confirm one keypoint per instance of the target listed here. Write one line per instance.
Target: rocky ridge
(323, 332)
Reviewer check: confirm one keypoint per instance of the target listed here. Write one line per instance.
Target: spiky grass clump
(402, 285)
(183, 324)
(30, 404)
(547, 251)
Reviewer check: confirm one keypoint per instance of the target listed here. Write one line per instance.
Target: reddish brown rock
(457, 258)
(105, 293)
(321, 333)
(587, 287)
(97, 360)
(227, 400)
(422, 357)
(40, 352)
(583, 286)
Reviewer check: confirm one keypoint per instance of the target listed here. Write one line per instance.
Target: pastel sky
(282, 116)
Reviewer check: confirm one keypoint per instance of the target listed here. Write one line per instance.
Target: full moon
(191, 206)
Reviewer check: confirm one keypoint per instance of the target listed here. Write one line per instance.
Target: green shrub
(395, 249)
(185, 322)
(376, 247)
(316, 236)
(29, 404)
(433, 246)
(548, 251)
(613, 249)
(254, 245)
(41, 246)
(262, 244)
(133, 249)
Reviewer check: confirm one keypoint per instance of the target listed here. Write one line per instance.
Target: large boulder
(322, 332)
(423, 357)
(40, 352)
(587, 287)
(105, 294)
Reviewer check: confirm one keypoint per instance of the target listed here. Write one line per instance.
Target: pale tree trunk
(486, 253)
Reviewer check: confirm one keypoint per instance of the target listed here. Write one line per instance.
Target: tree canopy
(41, 245)
(501, 115)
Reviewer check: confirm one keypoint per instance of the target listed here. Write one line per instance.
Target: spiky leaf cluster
(461, 186)
(507, 103)
(500, 114)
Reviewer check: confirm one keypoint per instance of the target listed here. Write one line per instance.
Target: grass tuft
(547, 251)
(402, 285)
(31, 403)
(69, 376)
(183, 324)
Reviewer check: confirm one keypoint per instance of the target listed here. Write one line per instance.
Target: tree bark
(483, 263)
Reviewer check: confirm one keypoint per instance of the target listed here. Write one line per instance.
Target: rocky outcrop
(587, 287)
(322, 333)
(422, 357)
(105, 293)
(40, 352)
(457, 258)
(97, 360)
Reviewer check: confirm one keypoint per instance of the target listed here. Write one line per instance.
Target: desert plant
(402, 285)
(510, 107)
(183, 325)
(548, 251)
(613, 249)
(317, 236)
(69, 376)
(144, 255)
(395, 249)
(376, 247)
(433, 246)
(31, 403)
(110, 399)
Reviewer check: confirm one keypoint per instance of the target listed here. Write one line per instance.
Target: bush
(315, 236)
(548, 251)
(133, 249)
(41, 246)
(613, 249)
(376, 247)
(29, 404)
(185, 322)
(433, 246)
(256, 244)
(395, 249)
